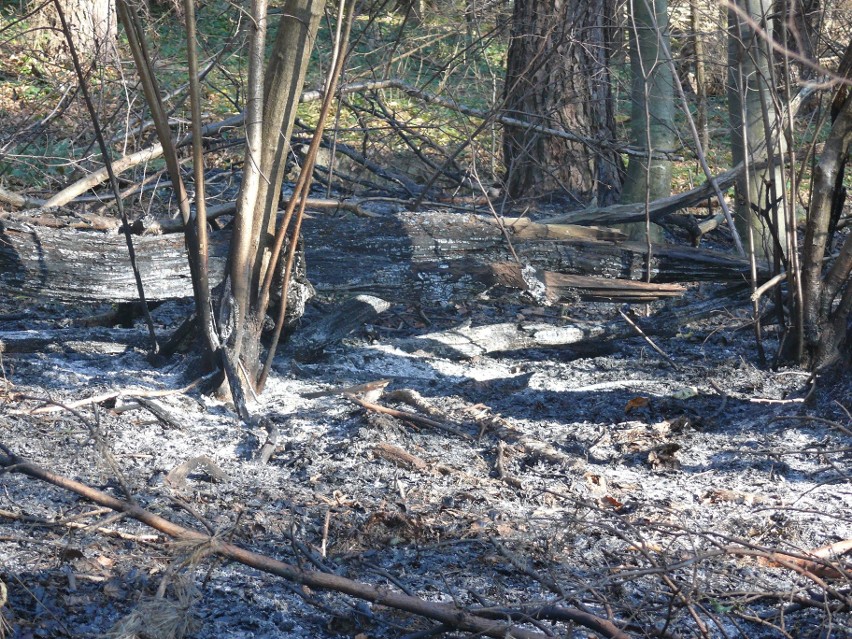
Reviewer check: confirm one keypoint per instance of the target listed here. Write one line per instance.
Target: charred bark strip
(406, 257)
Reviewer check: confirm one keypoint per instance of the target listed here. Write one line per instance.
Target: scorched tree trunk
(557, 76)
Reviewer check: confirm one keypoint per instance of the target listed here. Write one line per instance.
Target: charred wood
(405, 257)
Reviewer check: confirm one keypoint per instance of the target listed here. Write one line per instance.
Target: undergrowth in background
(46, 141)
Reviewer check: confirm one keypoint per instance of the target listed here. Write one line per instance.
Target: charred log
(401, 257)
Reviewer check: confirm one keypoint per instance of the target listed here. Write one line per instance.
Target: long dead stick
(444, 613)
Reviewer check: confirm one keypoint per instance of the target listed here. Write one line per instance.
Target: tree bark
(805, 16)
(255, 222)
(93, 27)
(649, 177)
(557, 76)
(285, 77)
(755, 128)
(826, 323)
(700, 74)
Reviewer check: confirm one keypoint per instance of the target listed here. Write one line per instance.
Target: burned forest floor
(677, 496)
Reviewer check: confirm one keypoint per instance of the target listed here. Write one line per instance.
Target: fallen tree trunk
(81, 340)
(405, 257)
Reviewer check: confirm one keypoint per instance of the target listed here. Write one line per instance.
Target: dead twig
(71, 522)
(818, 420)
(399, 457)
(367, 388)
(500, 466)
(408, 416)
(651, 343)
(416, 400)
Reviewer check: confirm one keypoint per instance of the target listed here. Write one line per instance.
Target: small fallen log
(467, 342)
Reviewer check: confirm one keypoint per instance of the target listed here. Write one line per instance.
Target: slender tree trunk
(755, 127)
(557, 76)
(652, 108)
(285, 77)
(700, 74)
(805, 18)
(827, 292)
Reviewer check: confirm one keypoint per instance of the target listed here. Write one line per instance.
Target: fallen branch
(657, 209)
(563, 286)
(78, 525)
(814, 561)
(414, 418)
(453, 616)
(19, 201)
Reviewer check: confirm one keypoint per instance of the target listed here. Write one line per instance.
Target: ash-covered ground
(606, 480)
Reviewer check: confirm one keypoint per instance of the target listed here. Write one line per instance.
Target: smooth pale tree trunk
(285, 76)
(557, 76)
(700, 74)
(649, 175)
(755, 131)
